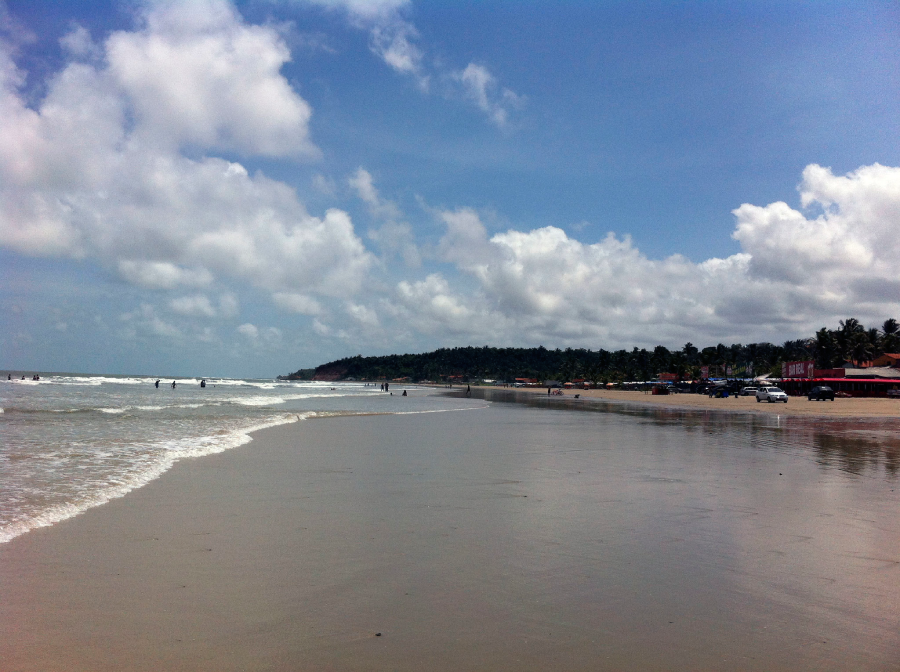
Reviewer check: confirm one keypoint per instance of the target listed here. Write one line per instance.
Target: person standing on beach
(157, 383)
(173, 384)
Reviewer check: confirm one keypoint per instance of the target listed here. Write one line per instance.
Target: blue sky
(207, 188)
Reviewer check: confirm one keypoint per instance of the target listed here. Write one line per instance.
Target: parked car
(820, 393)
(893, 394)
(748, 391)
(771, 394)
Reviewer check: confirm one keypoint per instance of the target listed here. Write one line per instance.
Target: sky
(215, 188)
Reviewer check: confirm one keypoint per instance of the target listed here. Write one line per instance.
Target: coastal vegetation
(850, 342)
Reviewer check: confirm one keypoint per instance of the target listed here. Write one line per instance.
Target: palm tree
(691, 353)
(861, 348)
(890, 336)
(826, 349)
(846, 337)
(874, 337)
(851, 326)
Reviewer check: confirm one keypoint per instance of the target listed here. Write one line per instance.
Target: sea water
(70, 442)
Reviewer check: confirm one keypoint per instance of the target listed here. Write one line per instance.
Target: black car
(821, 393)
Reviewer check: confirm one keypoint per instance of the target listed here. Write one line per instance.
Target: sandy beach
(796, 406)
(504, 538)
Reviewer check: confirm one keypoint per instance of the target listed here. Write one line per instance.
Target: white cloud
(144, 321)
(391, 37)
(297, 303)
(228, 305)
(197, 305)
(397, 238)
(272, 336)
(393, 237)
(466, 240)
(432, 306)
(393, 41)
(854, 238)
(95, 170)
(269, 338)
(482, 88)
(363, 315)
(365, 9)
(207, 335)
(79, 44)
(196, 73)
(249, 331)
(162, 275)
(324, 185)
(794, 274)
(321, 328)
(362, 183)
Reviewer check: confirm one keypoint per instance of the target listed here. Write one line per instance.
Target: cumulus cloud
(196, 73)
(96, 169)
(856, 235)
(432, 306)
(795, 272)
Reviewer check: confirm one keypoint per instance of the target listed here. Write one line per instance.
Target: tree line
(829, 348)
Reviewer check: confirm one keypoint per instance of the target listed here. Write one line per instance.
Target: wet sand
(510, 538)
(796, 406)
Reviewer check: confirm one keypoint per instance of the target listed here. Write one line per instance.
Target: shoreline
(857, 407)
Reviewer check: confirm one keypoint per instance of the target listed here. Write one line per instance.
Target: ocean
(71, 442)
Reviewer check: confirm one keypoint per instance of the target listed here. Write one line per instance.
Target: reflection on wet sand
(862, 446)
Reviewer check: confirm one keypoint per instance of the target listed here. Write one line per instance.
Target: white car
(771, 394)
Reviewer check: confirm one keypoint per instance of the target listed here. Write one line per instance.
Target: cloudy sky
(201, 187)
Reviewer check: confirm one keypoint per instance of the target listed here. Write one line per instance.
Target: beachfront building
(891, 359)
(798, 378)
